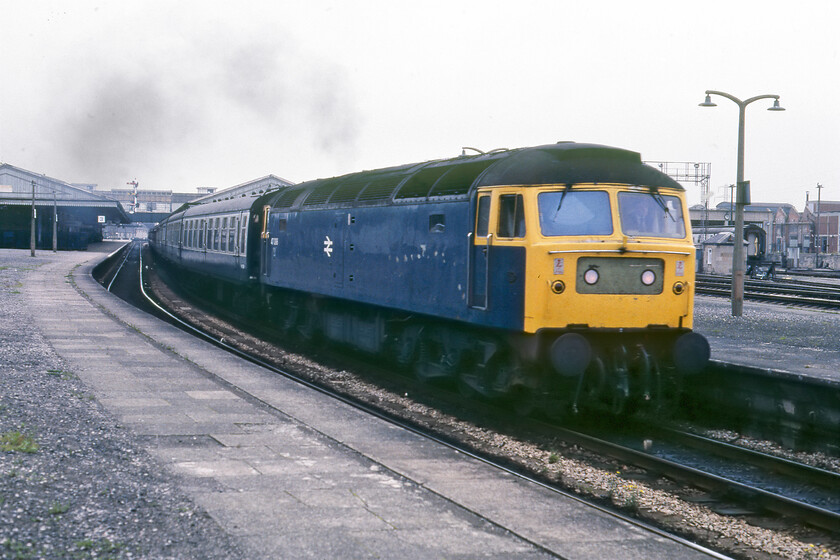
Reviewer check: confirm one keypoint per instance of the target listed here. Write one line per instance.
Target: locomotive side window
(511, 216)
(437, 223)
(649, 214)
(482, 223)
(575, 213)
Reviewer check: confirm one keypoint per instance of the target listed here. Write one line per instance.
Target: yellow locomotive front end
(609, 286)
(609, 257)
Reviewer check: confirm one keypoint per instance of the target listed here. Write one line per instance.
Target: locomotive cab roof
(565, 163)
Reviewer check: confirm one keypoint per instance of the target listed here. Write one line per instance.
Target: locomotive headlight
(648, 277)
(591, 276)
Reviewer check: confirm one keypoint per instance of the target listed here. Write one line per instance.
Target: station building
(72, 213)
(793, 239)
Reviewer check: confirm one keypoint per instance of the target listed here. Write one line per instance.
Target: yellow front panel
(553, 259)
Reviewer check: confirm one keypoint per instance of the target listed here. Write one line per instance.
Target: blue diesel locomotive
(557, 275)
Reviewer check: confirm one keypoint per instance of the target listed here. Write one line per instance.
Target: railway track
(731, 475)
(737, 481)
(788, 292)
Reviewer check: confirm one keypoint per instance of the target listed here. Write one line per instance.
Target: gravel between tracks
(88, 490)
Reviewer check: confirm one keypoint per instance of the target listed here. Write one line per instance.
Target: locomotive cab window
(650, 214)
(572, 212)
(511, 216)
(482, 220)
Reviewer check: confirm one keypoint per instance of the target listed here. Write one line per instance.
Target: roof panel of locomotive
(565, 163)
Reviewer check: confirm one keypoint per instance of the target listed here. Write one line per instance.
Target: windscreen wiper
(658, 198)
(562, 196)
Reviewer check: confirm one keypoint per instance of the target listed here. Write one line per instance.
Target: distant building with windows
(86, 214)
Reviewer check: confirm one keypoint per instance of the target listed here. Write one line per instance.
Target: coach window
(511, 216)
(224, 235)
(216, 234)
(234, 226)
(244, 241)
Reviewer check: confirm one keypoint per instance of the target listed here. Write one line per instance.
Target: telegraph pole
(55, 223)
(32, 229)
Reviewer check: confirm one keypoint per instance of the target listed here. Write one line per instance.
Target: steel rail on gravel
(827, 297)
(753, 495)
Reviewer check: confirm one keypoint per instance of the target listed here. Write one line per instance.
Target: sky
(180, 95)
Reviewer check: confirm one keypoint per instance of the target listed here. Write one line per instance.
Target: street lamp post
(739, 264)
(818, 243)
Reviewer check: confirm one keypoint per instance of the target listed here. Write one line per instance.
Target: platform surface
(769, 336)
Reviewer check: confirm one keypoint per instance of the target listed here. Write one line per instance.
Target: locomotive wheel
(285, 317)
(403, 348)
(434, 360)
(523, 401)
(307, 325)
(466, 384)
(504, 369)
(642, 372)
(619, 383)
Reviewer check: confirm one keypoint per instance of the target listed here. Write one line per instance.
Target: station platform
(291, 473)
(784, 340)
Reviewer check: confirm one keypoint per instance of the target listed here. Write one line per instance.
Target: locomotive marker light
(739, 263)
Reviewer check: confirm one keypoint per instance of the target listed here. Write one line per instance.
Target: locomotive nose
(571, 354)
(691, 353)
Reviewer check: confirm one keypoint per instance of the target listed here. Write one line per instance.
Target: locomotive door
(480, 241)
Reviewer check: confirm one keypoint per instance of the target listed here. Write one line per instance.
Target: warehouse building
(72, 215)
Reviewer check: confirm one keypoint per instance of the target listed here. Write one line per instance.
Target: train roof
(233, 204)
(565, 163)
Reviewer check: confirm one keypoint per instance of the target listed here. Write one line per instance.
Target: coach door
(480, 241)
(265, 243)
(181, 236)
(241, 239)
